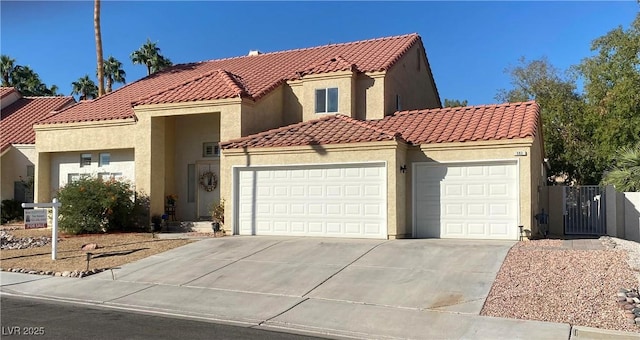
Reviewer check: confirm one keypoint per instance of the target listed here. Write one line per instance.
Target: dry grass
(114, 250)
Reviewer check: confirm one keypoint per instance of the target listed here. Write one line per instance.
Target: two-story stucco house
(162, 132)
(344, 140)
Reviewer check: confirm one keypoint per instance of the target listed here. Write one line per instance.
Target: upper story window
(327, 100)
(85, 159)
(105, 159)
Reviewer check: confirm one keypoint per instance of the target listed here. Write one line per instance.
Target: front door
(208, 187)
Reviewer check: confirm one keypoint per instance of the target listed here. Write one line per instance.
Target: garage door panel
(499, 228)
(454, 228)
(466, 200)
(332, 200)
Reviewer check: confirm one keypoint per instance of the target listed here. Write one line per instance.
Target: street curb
(590, 333)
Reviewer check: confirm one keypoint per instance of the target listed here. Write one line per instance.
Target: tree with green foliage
(7, 67)
(582, 132)
(455, 102)
(23, 79)
(149, 55)
(85, 88)
(566, 135)
(113, 72)
(612, 90)
(625, 175)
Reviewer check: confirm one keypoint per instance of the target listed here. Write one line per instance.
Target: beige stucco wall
(370, 95)
(538, 183)
(85, 136)
(344, 81)
(556, 210)
(13, 166)
(266, 113)
(326, 154)
(76, 137)
(410, 79)
(477, 151)
(190, 133)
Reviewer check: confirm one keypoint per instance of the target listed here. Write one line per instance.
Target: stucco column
(402, 177)
(230, 124)
(42, 178)
(150, 160)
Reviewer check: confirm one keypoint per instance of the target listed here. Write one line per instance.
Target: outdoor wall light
(403, 168)
(521, 227)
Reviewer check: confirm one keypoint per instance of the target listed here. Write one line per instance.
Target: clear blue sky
(469, 44)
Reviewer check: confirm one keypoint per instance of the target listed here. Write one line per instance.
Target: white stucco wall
(632, 216)
(65, 163)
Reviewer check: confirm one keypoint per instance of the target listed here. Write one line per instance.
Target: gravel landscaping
(542, 280)
(29, 251)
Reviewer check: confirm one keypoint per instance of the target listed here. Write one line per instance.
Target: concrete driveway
(426, 274)
(409, 289)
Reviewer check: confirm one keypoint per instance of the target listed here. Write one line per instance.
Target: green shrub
(91, 205)
(11, 210)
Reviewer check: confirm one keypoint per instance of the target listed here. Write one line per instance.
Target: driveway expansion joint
(232, 262)
(345, 267)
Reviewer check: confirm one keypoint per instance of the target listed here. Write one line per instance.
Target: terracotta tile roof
(334, 64)
(330, 129)
(463, 124)
(255, 75)
(458, 124)
(5, 91)
(216, 84)
(17, 119)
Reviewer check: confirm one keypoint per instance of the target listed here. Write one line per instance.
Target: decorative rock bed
(9, 241)
(629, 300)
(75, 273)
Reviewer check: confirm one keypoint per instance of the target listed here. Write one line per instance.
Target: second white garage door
(466, 200)
(345, 200)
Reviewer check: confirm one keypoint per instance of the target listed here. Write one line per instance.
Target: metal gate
(584, 210)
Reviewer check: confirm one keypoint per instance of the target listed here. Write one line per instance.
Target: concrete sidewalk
(335, 288)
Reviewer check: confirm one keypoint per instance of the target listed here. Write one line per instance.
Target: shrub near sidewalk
(93, 205)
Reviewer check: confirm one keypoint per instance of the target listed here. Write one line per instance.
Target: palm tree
(100, 61)
(149, 55)
(160, 63)
(27, 81)
(625, 175)
(113, 72)
(85, 88)
(7, 66)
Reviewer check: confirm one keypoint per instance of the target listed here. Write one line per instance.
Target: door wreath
(209, 181)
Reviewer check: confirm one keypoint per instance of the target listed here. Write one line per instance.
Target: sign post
(54, 237)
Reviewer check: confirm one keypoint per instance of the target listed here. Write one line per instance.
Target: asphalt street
(25, 318)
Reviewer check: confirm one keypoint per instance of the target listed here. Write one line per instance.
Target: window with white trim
(327, 100)
(85, 159)
(105, 159)
(210, 149)
(107, 176)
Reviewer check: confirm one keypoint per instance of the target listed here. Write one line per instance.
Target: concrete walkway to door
(425, 288)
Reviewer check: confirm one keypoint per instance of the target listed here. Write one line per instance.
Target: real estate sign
(35, 218)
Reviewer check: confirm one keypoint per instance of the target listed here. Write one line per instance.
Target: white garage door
(476, 201)
(346, 200)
